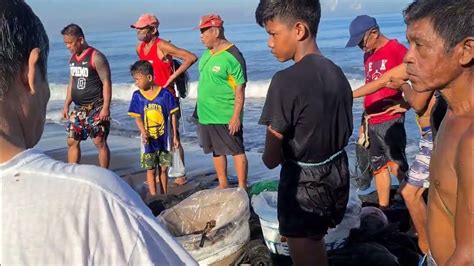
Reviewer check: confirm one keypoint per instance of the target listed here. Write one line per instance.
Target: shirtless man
(440, 57)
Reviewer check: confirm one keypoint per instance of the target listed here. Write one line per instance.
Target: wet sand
(125, 153)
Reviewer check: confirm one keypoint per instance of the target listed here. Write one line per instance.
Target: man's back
(57, 213)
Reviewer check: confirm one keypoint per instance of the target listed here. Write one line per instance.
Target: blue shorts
(419, 170)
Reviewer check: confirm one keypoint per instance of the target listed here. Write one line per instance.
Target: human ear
(31, 73)
(150, 78)
(301, 30)
(467, 51)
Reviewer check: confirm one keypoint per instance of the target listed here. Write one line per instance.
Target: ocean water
(119, 47)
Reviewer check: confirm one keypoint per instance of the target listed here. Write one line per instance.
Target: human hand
(66, 112)
(169, 81)
(234, 125)
(176, 142)
(397, 108)
(104, 114)
(145, 137)
(395, 83)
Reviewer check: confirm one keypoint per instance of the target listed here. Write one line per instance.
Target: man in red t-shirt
(386, 130)
(160, 54)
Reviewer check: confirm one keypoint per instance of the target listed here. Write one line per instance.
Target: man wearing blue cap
(386, 130)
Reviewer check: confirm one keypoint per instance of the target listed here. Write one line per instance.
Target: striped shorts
(419, 171)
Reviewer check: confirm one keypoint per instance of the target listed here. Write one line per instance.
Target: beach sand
(125, 153)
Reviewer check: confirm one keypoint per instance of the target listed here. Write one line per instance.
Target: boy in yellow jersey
(152, 106)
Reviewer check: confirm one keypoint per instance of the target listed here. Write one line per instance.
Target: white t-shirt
(55, 213)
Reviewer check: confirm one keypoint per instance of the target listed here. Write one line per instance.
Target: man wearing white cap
(160, 54)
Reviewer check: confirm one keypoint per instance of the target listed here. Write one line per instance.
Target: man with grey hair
(55, 213)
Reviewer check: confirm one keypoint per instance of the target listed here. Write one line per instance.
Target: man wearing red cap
(160, 54)
(220, 102)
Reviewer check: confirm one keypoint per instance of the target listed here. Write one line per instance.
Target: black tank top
(86, 83)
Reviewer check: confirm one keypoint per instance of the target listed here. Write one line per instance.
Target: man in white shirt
(55, 213)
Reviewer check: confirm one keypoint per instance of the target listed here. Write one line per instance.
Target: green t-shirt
(219, 75)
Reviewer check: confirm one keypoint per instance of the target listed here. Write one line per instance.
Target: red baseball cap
(145, 20)
(210, 21)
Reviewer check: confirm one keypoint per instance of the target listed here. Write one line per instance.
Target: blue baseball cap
(359, 26)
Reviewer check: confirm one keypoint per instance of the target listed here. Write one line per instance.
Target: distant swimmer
(441, 57)
(90, 88)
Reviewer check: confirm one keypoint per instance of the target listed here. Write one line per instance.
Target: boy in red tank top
(160, 54)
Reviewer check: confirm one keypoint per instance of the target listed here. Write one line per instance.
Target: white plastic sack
(230, 210)
(265, 206)
(177, 167)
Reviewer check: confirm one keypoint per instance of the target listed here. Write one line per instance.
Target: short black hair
(141, 67)
(73, 30)
(452, 20)
(290, 11)
(20, 32)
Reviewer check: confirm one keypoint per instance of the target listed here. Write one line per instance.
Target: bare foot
(180, 180)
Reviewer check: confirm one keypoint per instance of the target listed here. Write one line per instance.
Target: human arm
(373, 86)
(186, 57)
(464, 216)
(418, 100)
(141, 128)
(103, 69)
(174, 127)
(137, 49)
(68, 100)
(272, 154)
(235, 123)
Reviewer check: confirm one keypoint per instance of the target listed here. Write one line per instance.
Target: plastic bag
(177, 167)
(228, 210)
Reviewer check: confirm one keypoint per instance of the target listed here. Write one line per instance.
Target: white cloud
(356, 5)
(332, 4)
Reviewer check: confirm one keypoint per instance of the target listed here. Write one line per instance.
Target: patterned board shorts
(84, 122)
(419, 170)
(149, 161)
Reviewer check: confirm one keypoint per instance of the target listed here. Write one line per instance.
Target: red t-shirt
(387, 57)
(162, 69)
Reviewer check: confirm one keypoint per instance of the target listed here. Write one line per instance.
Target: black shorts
(387, 143)
(218, 140)
(312, 199)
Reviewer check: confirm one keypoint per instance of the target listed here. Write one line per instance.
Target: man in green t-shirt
(220, 102)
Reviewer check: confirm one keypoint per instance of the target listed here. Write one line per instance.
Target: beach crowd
(69, 213)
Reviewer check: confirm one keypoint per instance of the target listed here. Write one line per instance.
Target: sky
(104, 15)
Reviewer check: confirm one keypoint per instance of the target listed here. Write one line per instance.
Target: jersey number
(81, 83)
